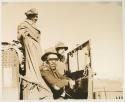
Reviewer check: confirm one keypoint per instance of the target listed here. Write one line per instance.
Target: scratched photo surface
(61, 50)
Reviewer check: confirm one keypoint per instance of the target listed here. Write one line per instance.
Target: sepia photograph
(60, 50)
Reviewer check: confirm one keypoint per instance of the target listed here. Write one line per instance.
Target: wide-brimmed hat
(48, 52)
(32, 11)
(61, 45)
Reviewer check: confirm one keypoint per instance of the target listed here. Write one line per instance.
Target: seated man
(52, 77)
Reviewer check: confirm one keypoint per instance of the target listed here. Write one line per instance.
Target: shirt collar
(30, 22)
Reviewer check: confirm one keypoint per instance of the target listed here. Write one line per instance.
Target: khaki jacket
(54, 77)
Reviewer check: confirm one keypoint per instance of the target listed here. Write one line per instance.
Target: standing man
(53, 78)
(61, 48)
(33, 86)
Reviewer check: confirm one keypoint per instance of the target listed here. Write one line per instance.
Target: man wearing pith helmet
(53, 78)
(61, 48)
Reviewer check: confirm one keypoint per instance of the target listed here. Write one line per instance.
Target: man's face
(61, 51)
(52, 61)
(34, 18)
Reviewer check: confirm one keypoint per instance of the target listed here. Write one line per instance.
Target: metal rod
(78, 60)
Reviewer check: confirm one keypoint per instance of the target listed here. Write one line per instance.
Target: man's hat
(32, 11)
(61, 45)
(48, 52)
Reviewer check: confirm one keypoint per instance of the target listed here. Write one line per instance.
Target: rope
(34, 84)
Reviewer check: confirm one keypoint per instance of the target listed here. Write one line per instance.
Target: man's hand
(71, 83)
(56, 87)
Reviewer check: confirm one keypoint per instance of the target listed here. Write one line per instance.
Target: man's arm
(54, 81)
(22, 31)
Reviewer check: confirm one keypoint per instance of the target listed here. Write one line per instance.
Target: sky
(74, 23)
